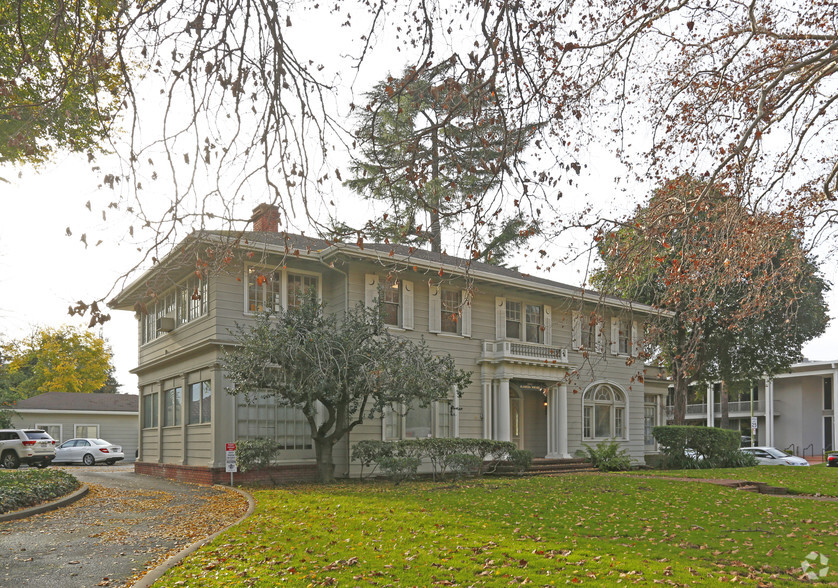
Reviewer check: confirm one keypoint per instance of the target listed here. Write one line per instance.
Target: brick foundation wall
(280, 474)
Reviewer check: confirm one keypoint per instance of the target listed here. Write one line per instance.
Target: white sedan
(88, 451)
(773, 456)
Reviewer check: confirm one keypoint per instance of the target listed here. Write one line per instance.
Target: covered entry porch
(525, 400)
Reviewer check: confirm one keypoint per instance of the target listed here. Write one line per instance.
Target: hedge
(687, 447)
(458, 456)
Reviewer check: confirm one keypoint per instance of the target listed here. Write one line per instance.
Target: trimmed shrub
(521, 460)
(25, 488)
(253, 454)
(464, 464)
(439, 452)
(370, 453)
(608, 456)
(399, 468)
(686, 447)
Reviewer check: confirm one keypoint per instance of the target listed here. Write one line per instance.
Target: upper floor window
(827, 393)
(624, 337)
(391, 299)
(265, 289)
(300, 286)
(184, 303)
(513, 319)
(450, 310)
(535, 324)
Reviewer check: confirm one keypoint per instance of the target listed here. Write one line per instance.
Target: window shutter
(465, 314)
(548, 325)
(370, 289)
(407, 304)
(576, 330)
(434, 309)
(500, 318)
(615, 335)
(635, 345)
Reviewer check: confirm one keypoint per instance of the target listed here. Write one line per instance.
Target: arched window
(603, 412)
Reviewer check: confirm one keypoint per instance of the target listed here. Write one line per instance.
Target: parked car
(27, 446)
(88, 451)
(773, 456)
(832, 459)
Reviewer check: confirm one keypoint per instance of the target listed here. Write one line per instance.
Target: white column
(502, 432)
(562, 422)
(834, 409)
(487, 408)
(711, 419)
(768, 402)
(455, 425)
(553, 422)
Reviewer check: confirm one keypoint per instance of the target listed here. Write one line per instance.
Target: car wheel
(110, 461)
(88, 460)
(10, 460)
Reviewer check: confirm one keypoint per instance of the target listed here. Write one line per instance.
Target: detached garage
(64, 415)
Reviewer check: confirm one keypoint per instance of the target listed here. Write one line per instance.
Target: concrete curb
(156, 573)
(47, 506)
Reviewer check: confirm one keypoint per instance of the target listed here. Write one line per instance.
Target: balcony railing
(524, 352)
(732, 408)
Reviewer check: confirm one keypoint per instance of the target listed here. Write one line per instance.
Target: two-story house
(554, 367)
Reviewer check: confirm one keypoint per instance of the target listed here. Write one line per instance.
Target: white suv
(29, 446)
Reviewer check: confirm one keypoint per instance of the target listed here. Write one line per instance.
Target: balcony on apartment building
(519, 352)
(735, 409)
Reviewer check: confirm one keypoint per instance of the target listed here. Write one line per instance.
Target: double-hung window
(264, 290)
(535, 324)
(513, 319)
(391, 300)
(150, 410)
(450, 310)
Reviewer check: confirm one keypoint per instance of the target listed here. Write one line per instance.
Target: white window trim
(546, 325)
(632, 346)
(283, 290)
(76, 425)
(614, 405)
(453, 424)
(60, 429)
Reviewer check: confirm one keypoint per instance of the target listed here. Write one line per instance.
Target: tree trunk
(680, 408)
(724, 399)
(436, 229)
(325, 464)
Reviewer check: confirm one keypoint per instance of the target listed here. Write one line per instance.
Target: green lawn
(817, 479)
(585, 528)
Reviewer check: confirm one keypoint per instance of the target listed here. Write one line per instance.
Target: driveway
(127, 524)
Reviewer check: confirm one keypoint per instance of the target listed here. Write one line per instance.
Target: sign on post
(754, 423)
(231, 460)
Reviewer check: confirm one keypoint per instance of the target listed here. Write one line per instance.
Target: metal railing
(740, 406)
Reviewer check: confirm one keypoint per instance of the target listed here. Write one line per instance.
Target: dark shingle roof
(86, 402)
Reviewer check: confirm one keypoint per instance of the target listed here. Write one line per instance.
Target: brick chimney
(266, 218)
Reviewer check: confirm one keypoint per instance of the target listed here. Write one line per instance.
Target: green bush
(608, 456)
(24, 488)
(521, 460)
(686, 447)
(253, 454)
(370, 453)
(438, 451)
(399, 468)
(464, 464)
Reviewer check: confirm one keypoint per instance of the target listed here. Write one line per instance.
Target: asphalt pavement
(127, 524)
